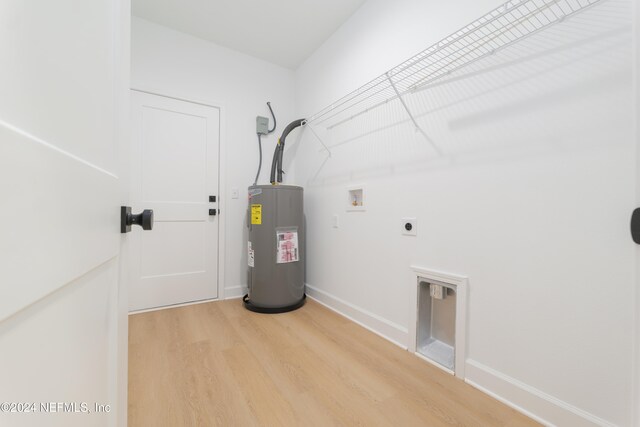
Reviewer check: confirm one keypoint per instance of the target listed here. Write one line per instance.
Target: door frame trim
(635, 368)
(222, 171)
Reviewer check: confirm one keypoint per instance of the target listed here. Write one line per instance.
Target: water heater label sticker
(256, 214)
(287, 250)
(255, 192)
(251, 259)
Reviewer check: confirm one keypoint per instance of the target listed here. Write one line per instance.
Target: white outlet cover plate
(234, 193)
(414, 226)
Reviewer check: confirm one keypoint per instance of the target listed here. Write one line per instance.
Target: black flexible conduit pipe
(260, 142)
(276, 163)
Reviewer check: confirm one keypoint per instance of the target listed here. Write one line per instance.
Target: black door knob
(127, 219)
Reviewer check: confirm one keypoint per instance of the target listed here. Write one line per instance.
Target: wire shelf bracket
(413, 119)
(502, 27)
(306, 123)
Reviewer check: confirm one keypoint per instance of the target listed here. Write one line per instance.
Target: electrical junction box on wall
(262, 125)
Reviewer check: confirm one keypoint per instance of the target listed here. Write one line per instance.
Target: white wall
(531, 199)
(175, 64)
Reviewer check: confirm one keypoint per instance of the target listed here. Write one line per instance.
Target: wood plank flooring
(217, 364)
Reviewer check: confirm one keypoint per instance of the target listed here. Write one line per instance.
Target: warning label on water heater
(256, 214)
(251, 257)
(287, 249)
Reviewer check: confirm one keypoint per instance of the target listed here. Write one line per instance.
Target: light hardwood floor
(217, 364)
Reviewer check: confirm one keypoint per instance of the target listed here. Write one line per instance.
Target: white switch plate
(335, 221)
(234, 193)
(413, 224)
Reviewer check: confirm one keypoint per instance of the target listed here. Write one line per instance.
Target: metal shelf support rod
(415, 123)
(307, 124)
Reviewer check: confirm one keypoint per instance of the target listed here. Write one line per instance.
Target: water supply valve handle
(127, 219)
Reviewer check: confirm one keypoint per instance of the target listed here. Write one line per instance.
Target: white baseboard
(235, 292)
(376, 324)
(540, 406)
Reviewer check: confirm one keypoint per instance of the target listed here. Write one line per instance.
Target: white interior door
(175, 171)
(63, 84)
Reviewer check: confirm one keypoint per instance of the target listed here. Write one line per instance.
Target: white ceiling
(284, 32)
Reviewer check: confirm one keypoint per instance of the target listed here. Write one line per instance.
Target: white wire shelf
(502, 27)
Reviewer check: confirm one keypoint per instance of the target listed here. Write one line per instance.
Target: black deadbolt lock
(144, 219)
